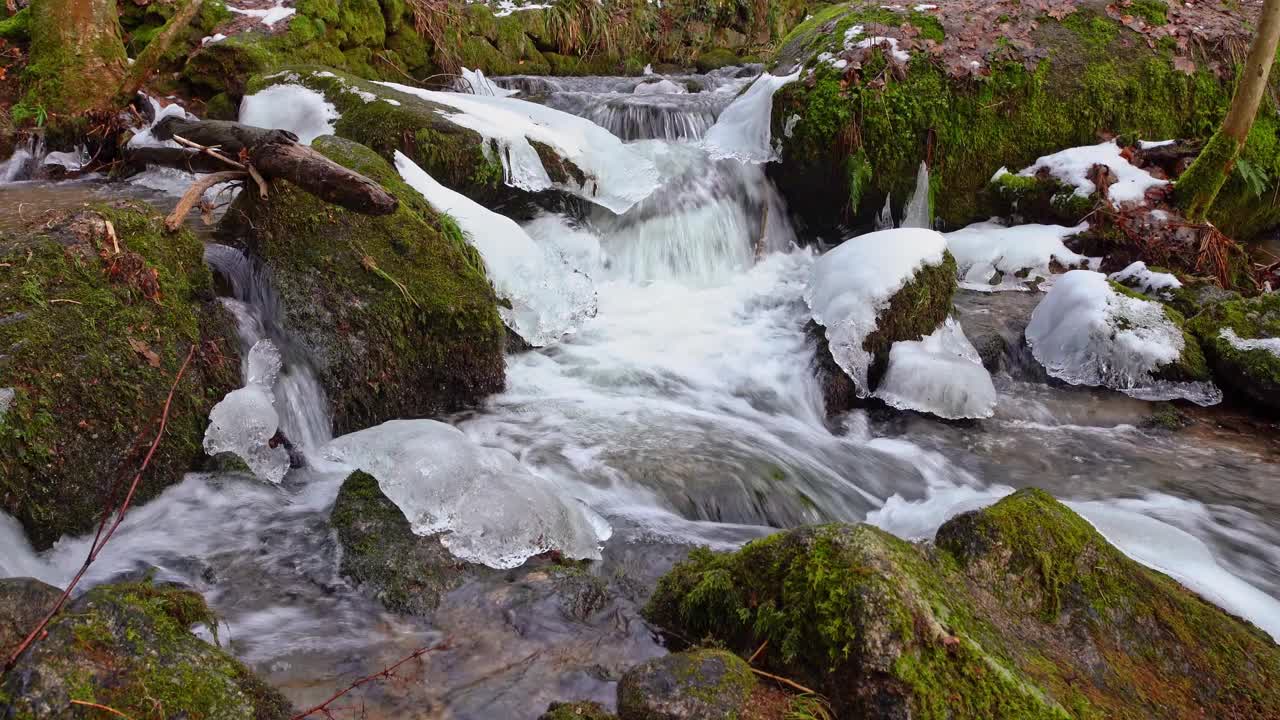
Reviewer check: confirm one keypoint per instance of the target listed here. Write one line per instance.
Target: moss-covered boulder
(695, 685)
(408, 573)
(395, 312)
(98, 312)
(1020, 610)
(387, 120)
(130, 648)
(1035, 199)
(1241, 338)
(577, 711)
(999, 86)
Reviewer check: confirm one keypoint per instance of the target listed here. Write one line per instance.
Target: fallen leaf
(145, 351)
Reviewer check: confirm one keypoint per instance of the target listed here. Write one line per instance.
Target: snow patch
(548, 297)
(1271, 345)
(1072, 167)
(267, 16)
(618, 178)
(1145, 281)
(486, 506)
(989, 249)
(891, 43)
(941, 375)
(300, 110)
(211, 39)
(1084, 332)
(742, 130)
(245, 421)
(851, 284)
(1149, 144)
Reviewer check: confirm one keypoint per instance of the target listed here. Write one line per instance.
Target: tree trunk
(77, 59)
(1199, 185)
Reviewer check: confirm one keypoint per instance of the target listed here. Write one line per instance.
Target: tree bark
(276, 154)
(77, 59)
(1199, 185)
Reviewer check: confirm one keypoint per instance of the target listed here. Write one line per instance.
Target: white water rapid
(684, 412)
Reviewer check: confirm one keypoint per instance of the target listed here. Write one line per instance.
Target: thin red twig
(387, 672)
(104, 533)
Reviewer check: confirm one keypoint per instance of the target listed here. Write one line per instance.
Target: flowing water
(685, 412)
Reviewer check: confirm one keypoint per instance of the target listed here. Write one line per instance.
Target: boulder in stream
(394, 312)
(98, 311)
(129, 647)
(1019, 610)
(695, 685)
(1241, 339)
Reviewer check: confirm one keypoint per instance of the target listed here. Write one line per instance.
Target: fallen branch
(149, 59)
(784, 681)
(195, 194)
(103, 708)
(387, 672)
(104, 533)
(208, 151)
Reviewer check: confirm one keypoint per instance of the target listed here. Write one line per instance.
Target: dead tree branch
(385, 673)
(195, 193)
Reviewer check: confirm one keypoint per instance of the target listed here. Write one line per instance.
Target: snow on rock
(742, 131)
(485, 505)
(986, 250)
(1151, 144)
(268, 16)
(1085, 332)
(890, 43)
(1271, 345)
(211, 39)
(159, 112)
(662, 87)
(244, 422)
(474, 82)
(1145, 281)
(617, 177)
(300, 110)
(851, 284)
(548, 297)
(1072, 167)
(941, 375)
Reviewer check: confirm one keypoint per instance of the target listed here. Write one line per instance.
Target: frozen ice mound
(941, 374)
(1072, 167)
(617, 178)
(549, 298)
(474, 82)
(989, 250)
(742, 131)
(244, 422)
(1145, 280)
(851, 284)
(487, 507)
(300, 110)
(1084, 332)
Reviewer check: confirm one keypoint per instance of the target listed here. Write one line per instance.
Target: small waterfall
(884, 220)
(299, 398)
(918, 213)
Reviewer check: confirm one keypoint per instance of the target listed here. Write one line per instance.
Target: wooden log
(277, 155)
(192, 161)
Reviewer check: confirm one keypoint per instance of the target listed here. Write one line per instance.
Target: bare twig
(104, 533)
(65, 300)
(194, 193)
(759, 650)
(261, 181)
(386, 673)
(104, 708)
(209, 151)
(784, 681)
(111, 235)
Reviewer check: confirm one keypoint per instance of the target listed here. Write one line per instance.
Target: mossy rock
(1191, 366)
(129, 647)
(1035, 199)
(406, 572)
(91, 341)
(913, 312)
(1253, 374)
(23, 602)
(395, 311)
(388, 120)
(695, 685)
(1098, 77)
(715, 59)
(577, 711)
(223, 68)
(1022, 610)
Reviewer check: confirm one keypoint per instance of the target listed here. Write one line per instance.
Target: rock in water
(129, 647)
(1241, 339)
(394, 312)
(98, 311)
(1089, 331)
(697, 685)
(1020, 610)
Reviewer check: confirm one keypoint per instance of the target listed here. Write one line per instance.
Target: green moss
(1155, 12)
(576, 711)
(715, 59)
(1253, 374)
(17, 27)
(83, 323)
(1199, 186)
(1191, 366)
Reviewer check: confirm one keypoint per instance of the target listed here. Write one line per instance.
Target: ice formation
(474, 82)
(1084, 332)
(662, 87)
(1140, 278)
(851, 284)
(300, 110)
(1072, 167)
(742, 131)
(918, 213)
(145, 138)
(244, 422)
(490, 509)
(617, 178)
(1271, 345)
(987, 250)
(548, 297)
(941, 375)
(890, 43)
